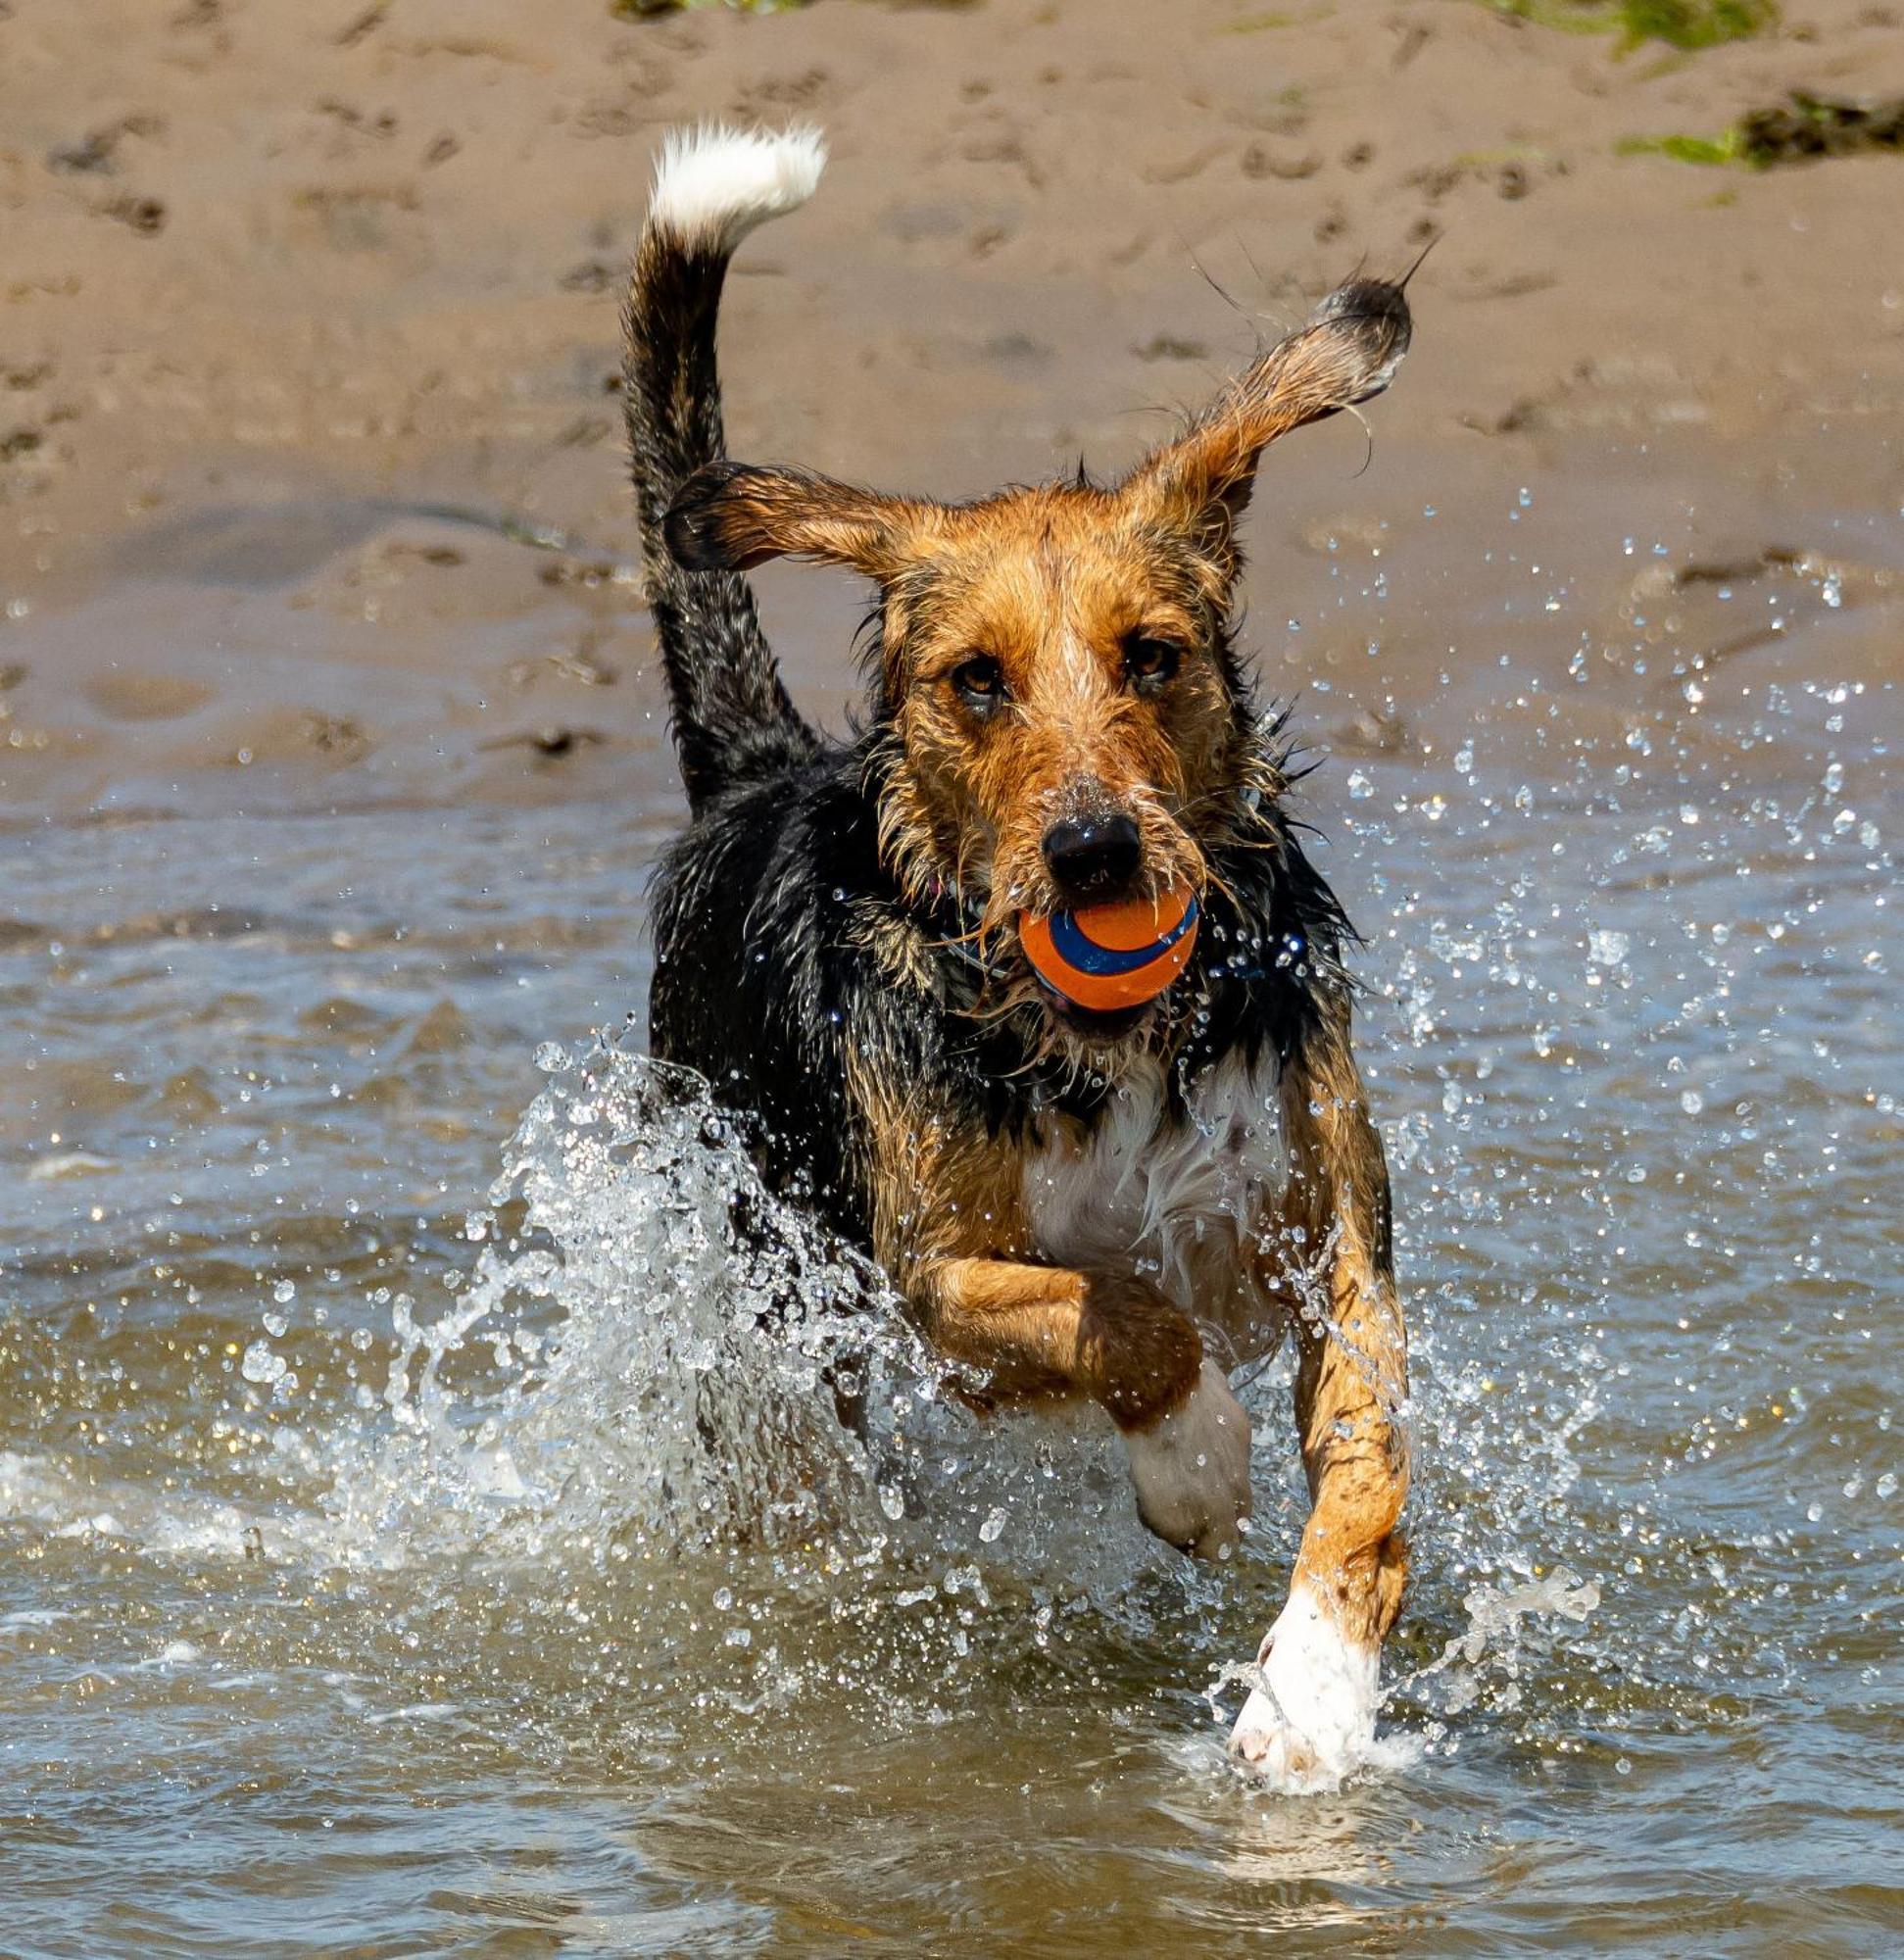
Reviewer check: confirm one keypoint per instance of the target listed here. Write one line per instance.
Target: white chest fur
(1179, 1201)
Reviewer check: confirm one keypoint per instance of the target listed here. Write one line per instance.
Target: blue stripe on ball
(1086, 956)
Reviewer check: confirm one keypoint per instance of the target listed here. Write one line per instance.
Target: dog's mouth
(1108, 961)
(1099, 1027)
(1100, 975)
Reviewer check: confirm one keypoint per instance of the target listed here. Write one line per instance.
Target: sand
(307, 309)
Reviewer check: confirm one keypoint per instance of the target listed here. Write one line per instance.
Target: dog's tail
(713, 186)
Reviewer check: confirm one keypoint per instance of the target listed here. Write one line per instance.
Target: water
(424, 1528)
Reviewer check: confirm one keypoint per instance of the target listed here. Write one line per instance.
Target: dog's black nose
(1093, 858)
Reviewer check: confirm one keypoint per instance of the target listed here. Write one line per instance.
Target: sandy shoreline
(281, 280)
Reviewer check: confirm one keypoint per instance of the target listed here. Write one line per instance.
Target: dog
(1119, 1207)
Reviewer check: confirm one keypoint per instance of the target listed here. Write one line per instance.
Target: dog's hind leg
(1314, 1716)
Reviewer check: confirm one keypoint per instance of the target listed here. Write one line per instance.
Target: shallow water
(409, 1542)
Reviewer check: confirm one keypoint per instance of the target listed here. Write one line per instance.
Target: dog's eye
(980, 682)
(1149, 662)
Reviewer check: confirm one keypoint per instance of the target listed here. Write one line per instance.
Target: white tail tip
(714, 184)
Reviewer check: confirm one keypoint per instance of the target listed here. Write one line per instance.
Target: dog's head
(1067, 722)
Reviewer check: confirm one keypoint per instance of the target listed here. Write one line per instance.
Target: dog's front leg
(1045, 1332)
(1314, 1718)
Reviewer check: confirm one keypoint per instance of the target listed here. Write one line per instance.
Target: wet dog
(1120, 1205)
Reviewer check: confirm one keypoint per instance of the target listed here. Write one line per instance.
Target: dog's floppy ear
(730, 515)
(1349, 351)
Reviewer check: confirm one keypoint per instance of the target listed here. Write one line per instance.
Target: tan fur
(950, 1224)
(1346, 354)
(1331, 1259)
(1055, 583)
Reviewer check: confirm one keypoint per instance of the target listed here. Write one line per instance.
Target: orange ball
(1108, 958)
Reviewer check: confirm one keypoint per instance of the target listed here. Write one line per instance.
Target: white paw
(1312, 1721)
(1191, 1468)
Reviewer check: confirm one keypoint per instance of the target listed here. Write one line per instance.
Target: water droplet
(260, 1363)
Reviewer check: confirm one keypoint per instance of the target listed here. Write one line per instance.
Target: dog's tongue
(1115, 957)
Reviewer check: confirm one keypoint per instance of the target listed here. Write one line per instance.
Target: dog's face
(1065, 707)
(1067, 722)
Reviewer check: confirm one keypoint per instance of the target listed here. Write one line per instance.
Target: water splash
(652, 1350)
(647, 1342)
(1497, 1633)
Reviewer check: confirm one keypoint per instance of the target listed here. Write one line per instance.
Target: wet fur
(836, 948)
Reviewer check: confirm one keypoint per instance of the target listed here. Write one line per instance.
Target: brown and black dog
(1112, 1206)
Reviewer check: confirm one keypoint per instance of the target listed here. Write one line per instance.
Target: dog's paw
(1312, 1719)
(1191, 1468)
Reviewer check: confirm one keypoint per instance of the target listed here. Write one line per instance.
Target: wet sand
(281, 282)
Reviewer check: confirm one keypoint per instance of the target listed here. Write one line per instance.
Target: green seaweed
(1695, 24)
(1808, 127)
(1801, 130)
(1722, 149)
(1686, 24)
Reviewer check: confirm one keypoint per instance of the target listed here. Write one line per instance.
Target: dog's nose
(1093, 858)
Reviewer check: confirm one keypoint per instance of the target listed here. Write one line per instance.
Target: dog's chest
(1182, 1203)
